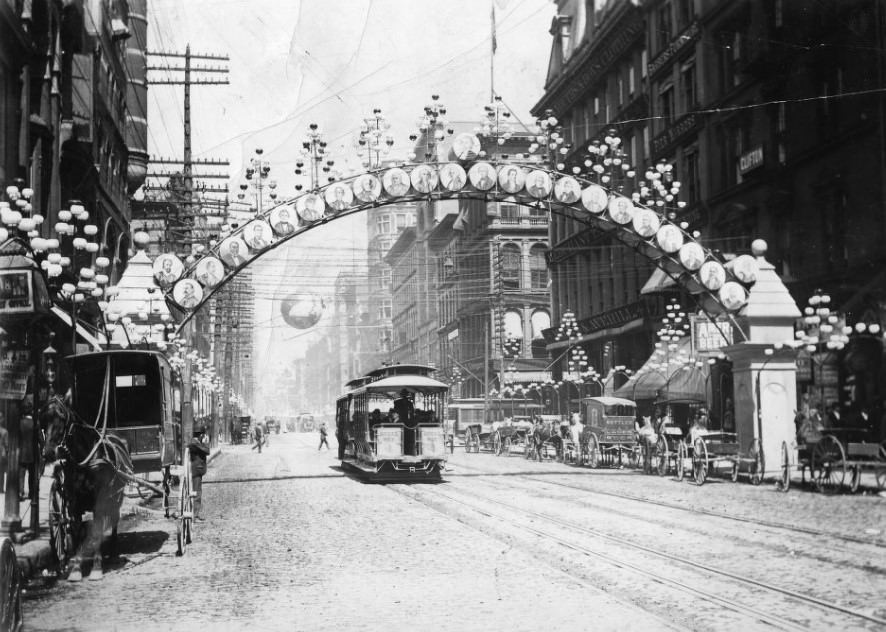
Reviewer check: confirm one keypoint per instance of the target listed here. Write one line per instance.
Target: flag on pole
(494, 42)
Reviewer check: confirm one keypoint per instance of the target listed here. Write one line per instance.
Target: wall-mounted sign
(14, 373)
(708, 336)
(750, 160)
(16, 292)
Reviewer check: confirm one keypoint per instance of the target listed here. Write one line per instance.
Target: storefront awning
(95, 341)
(653, 377)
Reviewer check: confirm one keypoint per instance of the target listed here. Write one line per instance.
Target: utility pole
(187, 213)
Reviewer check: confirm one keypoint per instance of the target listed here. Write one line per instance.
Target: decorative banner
(310, 207)
(621, 210)
(388, 442)
(646, 223)
(209, 271)
(669, 238)
(233, 251)
(511, 179)
(712, 275)
(692, 256)
(453, 177)
(396, 182)
(187, 293)
(595, 199)
(538, 184)
(466, 146)
(282, 220)
(339, 196)
(567, 190)
(732, 295)
(257, 234)
(167, 269)
(367, 188)
(424, 179)
(482, 176)
(301, 310)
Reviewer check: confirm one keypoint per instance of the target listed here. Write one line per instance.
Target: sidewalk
(35, 555)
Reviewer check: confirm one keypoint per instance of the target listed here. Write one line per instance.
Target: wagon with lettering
(609, 436)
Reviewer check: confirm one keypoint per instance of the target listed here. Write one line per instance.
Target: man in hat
(199, 448)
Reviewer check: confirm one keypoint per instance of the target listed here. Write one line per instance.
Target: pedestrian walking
(199, 448)
(26, 449)
(4, 451)
(258, 435)
(323, 433)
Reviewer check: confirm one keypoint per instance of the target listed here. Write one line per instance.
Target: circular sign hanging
(595, 199)
(482, 176)
(712, 275)
(209, 271)
(538, 184)
(396, 182)
(424, 178)
(301, 310)
(367, 188)
(187, 293)
(339, 196)
(511, 178)
(282, 220)
(466, 146)
(453, 176)
(310, 207)
(732, 295)
(567, 190)
(167, 269)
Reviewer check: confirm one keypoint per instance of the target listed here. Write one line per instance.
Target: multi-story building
(596, 80)
(772, 115)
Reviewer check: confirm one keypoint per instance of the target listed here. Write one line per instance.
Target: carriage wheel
(593, 459)
(166, 490)
(506, 447)
(681, 460)
(758, 464)
(60, 537)
(854, 478)
(468, 442)
(11, 580)
(662, 456)
(828, 465)
(496, 444)
(881, 467)
(784, 483)
(699, 461)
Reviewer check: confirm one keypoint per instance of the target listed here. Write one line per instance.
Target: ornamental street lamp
(434, 125)
(256, 174)
(375, 139)
(821, 336)
(314, 151)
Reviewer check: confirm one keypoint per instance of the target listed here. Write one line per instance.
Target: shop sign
(614, 317)
(750, 160)
(708, 336)
(16, 292)
(14, 374)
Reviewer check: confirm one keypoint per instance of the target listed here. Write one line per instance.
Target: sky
(331, 62)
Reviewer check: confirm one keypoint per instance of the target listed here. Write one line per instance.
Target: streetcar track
(706, 512)
(733, 605)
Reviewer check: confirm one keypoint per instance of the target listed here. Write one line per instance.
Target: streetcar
(389, 424)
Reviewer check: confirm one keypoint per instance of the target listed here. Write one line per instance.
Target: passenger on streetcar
(404, 407)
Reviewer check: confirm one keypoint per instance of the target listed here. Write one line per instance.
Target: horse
(541, 434)
(93, 468)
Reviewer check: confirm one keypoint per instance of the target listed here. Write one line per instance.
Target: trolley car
(389, 424)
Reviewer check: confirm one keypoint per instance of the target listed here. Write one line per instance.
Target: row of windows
(512, 267)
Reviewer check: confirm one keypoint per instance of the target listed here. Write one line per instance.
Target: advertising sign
(16, 292)
(432, 444)
(14, 374)
(708, 336)
(388, 443)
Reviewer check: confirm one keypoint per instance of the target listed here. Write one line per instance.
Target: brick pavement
(292, 544)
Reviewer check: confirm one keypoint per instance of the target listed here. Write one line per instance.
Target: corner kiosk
(381, 445)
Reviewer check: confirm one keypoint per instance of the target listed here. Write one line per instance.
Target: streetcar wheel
(828, 465)
(496, 444)
(59, 527)
(699, 461)
(784, 483)
(681, 460)
(593, 451)
(11, 581)
(758, 464)
(662, 455)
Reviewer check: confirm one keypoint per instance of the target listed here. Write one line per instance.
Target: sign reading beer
(16, 292)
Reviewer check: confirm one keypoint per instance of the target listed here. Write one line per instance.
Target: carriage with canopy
(120, 425)
(609, 436)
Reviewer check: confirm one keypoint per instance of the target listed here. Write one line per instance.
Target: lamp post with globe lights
(821, 336)
(256, 174)
(497, 124)
(313, 148)
(434, 126)
(375, 139)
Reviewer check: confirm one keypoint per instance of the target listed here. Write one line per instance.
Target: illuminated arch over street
(608, 198)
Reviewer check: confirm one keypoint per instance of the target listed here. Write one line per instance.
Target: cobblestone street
(292, 544)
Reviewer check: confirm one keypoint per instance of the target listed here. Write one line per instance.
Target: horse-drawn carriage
(712, 449)
(121, 424)
(833, 454)
(609, 436)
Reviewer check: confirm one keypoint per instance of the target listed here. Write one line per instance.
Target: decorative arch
(594, 201)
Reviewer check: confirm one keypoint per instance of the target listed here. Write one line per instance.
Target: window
(509, 211)
(511, 270)
(646, 142)
(596, 106)
(621, 91)
(644, 63)
(538, 267)
(383, 224)
(632, 79)
(513, 325)
(540, 320)
(666, 104)
(665, 26)
(689, 87)
(691, 176)
(401, 221)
